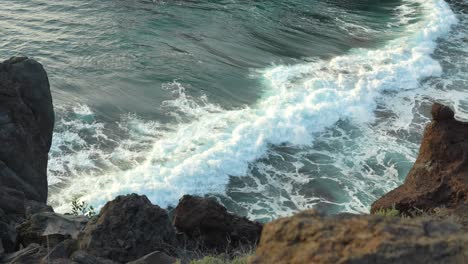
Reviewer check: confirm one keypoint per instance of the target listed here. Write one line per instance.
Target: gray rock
(155, 257)
(32, 254)
(48, 228)
(12, 200)
(34, 207)
(8, 236)
(82, 257)
(128, 228)
(26, 124)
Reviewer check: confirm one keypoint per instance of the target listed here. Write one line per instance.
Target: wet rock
(26, 124)
(48, 228)
(439, 177)
(309, 237)
(155, 257)
(206, 221)
(128, 228)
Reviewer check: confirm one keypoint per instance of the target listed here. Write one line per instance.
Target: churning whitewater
(304, 105)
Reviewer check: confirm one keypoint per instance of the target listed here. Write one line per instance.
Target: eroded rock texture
(439, 177)
(309, 237)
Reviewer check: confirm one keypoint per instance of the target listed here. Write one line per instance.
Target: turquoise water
(271, 106)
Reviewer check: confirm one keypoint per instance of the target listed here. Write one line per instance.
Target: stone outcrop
(49, 229)
(128, 228)
(309, 237)
(26, 124)
(209, 223)
(439, 177)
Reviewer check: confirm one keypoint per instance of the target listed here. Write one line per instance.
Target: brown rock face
(208, 222)
(309, 237)
(439, 177)
(128, 228)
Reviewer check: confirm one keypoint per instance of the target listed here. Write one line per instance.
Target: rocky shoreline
(423, 221)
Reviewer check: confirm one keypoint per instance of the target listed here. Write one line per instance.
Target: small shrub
(390, 212)
(82, 208)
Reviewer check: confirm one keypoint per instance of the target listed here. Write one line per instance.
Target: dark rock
(34, 207)
(26, 124)
(439, 177)
(62, 251)
(32, 254)
(50, 229)
(206, 221)
(81, 257)
(128, 228)
(12, 201)
(309, 237)
(155, 257)
(441, 112)
(8, 236)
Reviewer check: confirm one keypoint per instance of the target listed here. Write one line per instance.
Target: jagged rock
(155, 257)
(208, 222)
(128, 228)
(48, 228)
(26, 124)
(32, 254)
(309, 237)
(439, 177)
(81, 257)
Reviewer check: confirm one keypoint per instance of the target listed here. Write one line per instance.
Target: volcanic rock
(208, 222)
(128, 228)
(309, 237)
(439, 177)
(26, 124)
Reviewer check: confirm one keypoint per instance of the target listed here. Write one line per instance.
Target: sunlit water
(270, 106)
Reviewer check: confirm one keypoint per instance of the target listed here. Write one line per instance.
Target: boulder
(309, 237)
(439, 177)
(26, 124)
(208, 222)
(49, 229)
(155, 257)
(128, 228)
(32, 254)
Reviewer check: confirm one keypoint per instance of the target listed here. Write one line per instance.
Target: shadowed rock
(209, 223)
(439, 177)
(128, 228)
(26, 124)
(309, 237)
(49, 229)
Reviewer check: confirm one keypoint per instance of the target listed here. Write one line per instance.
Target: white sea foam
(199, 156)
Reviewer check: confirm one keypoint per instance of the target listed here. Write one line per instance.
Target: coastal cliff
(422, 221)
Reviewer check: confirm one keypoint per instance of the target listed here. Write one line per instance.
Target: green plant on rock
(221, 260)
(391, 212)
(82, 208)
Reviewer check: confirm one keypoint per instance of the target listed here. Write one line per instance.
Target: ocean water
(270, 106)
